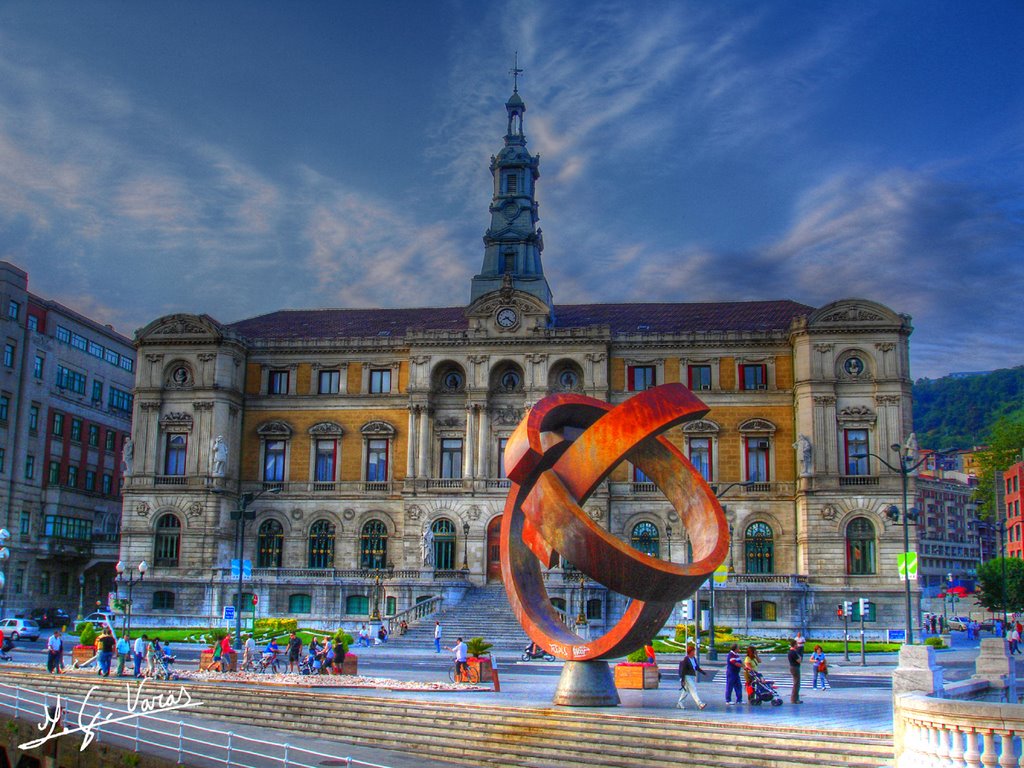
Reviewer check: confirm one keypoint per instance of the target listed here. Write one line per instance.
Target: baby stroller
(306, 665)
(762, 689)
(167, 667)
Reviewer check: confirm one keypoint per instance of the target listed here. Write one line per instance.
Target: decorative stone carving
(206, 356)
(701, 426)
(377, 428)
(825, 400)
(202, 405)
(296, 514)
(179, 376)
(142, 509)
(474, 512)
(127, 457)
(757, 425)
(195, 509)
(219, 457)
(507, 415)
(176, 421)
(149, 405)
(824, 347)
(348, 514)
(413, 512)
(274, 429)
(829, 512)
(885, 346)
(852, 314)
(449, 422)
(328, 428)
(804, 451)
(887, 399)
(596, 514)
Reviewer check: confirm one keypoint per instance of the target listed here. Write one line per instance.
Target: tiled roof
(621, 318)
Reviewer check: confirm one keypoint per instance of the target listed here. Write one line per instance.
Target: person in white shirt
(461, 652)
(55, 653)
(139, 653)
(437, 637)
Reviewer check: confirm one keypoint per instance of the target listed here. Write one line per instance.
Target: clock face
(507, 317)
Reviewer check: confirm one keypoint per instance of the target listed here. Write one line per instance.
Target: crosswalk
(836, 680)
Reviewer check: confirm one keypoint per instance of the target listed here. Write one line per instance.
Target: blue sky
(240, 157)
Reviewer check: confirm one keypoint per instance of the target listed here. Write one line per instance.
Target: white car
(20, 629)
(102, 619)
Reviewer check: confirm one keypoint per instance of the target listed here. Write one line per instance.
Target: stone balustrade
(976, 723)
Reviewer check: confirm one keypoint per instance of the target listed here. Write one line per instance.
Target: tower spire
(515, 72)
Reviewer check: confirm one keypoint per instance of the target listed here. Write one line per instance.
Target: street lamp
(572, 574)
(240, 514)
(81, 596)
(668, 540)
(5, 554)
(907, 467)
(465, 546)
(712, 652)
(378, 575)
(131, 582)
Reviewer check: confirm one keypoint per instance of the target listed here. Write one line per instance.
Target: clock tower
(513, 242)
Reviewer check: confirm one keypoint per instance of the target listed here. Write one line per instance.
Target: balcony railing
(58, 546)
(317, 488)
(333, 574)
(170, 480)
(851, 480)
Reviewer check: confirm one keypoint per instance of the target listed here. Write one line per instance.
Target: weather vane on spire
(515, 72)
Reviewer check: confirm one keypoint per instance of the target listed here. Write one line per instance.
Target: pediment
(852, 312)
(181, 327)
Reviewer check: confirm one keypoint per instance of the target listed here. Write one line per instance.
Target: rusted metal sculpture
(556, 458)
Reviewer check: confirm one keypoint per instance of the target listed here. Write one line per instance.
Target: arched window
(268, 545)
(373, 545)
(321, 544)
(167, 544)
(759, 548)
(444, 544)
(357, 605)
(860, 547)
(645, 538)
(300, 604)
(163, 600)
(763, 610)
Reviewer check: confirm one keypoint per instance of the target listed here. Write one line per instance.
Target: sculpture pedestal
(586, 684)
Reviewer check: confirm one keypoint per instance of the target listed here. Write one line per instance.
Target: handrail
(416, 612)
(175, 736)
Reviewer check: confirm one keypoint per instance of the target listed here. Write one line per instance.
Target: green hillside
(958, 412)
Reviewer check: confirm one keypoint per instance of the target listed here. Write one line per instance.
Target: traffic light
(686, 610)
(848, 608)
(864, 607)
(839, 610)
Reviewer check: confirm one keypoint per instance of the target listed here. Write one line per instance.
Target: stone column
(410, 447)
(482, 448)
(469, 444)
(824, 457)
(424, 436)
(995, 665)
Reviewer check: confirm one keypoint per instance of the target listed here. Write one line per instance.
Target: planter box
(81, 654)
(206, 659)
(483, 665)
(636, 676)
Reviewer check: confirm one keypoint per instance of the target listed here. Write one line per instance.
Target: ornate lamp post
(712, 651)
(378, 576)
(465, 546)
(81, 596)
(240, 514)
(5, 554)
(907, 467)
(131, 581)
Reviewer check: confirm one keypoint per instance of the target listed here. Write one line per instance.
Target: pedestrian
(1014, 641)
(942, 624)
(688, 669)
(107, 644)
(799, 639)
(124, 648)
(216, 664)
(225, 653)
(750, 664)
(55, 653)
(437, 637)
(294, 649)
(154, 652)
(794, 671)
(139, 653)
(935, 624)
(649, 651)
(249, 652)
(460, 651)
(820, 668)
(733, 667)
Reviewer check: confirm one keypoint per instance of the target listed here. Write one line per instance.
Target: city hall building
(365, 445)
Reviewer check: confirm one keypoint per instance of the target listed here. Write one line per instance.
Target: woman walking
(820, 668)
(750, 664)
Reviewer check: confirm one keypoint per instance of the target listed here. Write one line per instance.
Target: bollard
(494, 677)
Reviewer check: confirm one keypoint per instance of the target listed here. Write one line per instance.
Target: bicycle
(471, 674)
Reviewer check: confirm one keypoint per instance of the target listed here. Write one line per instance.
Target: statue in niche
(219, 457)
(805, 452)
(427, 547)
(127, 457)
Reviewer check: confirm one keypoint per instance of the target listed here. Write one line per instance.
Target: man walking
(437, 637)
(794, 657)
(124, 647)
(733, 667)
(107, 644)
(688, 669)
(55, 653)
(294, 649)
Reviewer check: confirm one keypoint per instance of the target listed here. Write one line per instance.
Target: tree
(991, 588)
(1006, 445)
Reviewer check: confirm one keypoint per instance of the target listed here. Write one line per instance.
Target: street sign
(907, 563)
(255, 599)
(229, 613)
(234, 568)
(247, 569)
(897, 636)
(721, 575)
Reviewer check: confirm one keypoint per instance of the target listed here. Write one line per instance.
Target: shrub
(477, 646)
(87, 633)
(274, 626)
(638, 656)
(935, 642)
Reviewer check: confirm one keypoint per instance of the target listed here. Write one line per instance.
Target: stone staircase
(501, 736)
(483, 612)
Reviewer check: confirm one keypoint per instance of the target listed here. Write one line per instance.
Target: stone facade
(365, 439)
(65, 408)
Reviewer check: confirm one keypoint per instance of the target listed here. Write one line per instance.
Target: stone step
(503, 736)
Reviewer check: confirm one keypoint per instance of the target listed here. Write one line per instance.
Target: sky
(240, 157)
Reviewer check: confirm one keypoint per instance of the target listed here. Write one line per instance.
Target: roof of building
(621, 318)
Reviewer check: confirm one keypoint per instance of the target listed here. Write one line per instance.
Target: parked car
(46, 618)
(959, 623)
(20, 629)
(101, 619)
